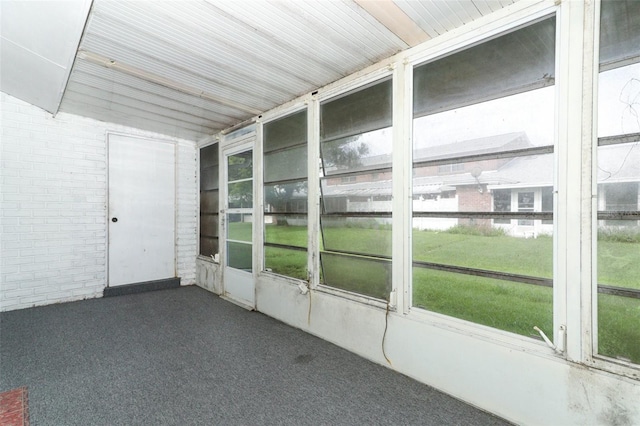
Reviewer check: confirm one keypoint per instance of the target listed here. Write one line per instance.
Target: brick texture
(53, 206)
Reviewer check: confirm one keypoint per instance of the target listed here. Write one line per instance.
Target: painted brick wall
(53, 206)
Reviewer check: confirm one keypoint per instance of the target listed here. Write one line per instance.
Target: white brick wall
(53, 206)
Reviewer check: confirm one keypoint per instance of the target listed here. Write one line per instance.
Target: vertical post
(573, 291)
(313, 191)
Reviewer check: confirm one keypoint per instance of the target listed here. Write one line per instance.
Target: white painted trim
(313, 192)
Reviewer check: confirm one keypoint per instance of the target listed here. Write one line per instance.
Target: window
(355, 221)
(525, 204)
(209, 200)
(483, 142)
(285, 195)
(618, 175)
(502, 203)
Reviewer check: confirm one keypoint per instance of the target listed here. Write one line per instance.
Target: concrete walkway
(186, 357)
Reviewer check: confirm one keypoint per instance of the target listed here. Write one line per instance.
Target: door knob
(114, 220)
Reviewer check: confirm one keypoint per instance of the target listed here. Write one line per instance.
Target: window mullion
(313, 188)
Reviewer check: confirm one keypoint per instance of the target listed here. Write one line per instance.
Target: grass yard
(500, 304)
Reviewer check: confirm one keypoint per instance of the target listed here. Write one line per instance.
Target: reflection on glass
(286, 165)
(286, 230)
(285, 132)
(240, 166)
(518, 121)
(208, 246)
(292, 263)
(240, 194)
(369, 150)
(239, 256)
(209, 178)
(618, 101)
(209, 225)
(510, 306)
(357, 274)
(370, 236)
(209, 201)
(357, 193)
(240, 226)
(288, 197)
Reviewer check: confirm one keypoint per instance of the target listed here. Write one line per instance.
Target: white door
(238, 225)
(141, 210)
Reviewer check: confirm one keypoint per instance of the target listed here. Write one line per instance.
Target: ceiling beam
(395, 19)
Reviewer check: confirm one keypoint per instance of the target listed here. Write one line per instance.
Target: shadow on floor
(186, 357)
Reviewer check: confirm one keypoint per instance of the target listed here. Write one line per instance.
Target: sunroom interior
(450, 189)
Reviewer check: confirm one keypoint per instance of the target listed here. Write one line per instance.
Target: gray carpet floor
(186, 357)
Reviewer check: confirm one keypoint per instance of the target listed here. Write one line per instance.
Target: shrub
(483, 230)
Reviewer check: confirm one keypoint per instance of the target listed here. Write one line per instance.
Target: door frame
(244, 143)
(175, 196)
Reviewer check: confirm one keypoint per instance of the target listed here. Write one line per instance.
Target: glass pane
(357, 235)
(209, 178)
(209, 225)
(619, 327)
(286, 230)
(512, 249)
(209, 156)
(510, 306)
(619, 253)
(357, 193)
(618, 98)
(619, 30)
(240, 227)
(365, 151)
(289, 197)
(286, 165)
(209, 201)
(357, 274)
(239, 256)
(291, 263)
(285, 132)
(241, 194)
(512, 63)
(514, 122)
(358, 112)
(208, 246)
(240, 166)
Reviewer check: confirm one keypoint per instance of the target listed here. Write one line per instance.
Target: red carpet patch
(14, 407)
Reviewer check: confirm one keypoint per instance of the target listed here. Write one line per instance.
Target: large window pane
(282, 261)
(286, 132)
(285, 192)
(209, 200)
(286, 230)
(357, 193)
(286, 165)
(239, 256)
(356, 113)
(356, 190)
(240, 166)
(357, 235)
(618, 171)
(240, 227)
(286, 197)
(513, 63)
(357, 274)
(483, 136)
(501, 304)
(240, 194)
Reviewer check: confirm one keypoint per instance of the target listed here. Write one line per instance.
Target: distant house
(517, 184)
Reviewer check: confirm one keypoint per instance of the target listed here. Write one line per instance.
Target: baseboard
(142, 287)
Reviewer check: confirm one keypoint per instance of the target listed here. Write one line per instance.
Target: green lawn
(505, 305)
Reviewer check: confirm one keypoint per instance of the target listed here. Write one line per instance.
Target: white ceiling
(192, 68)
